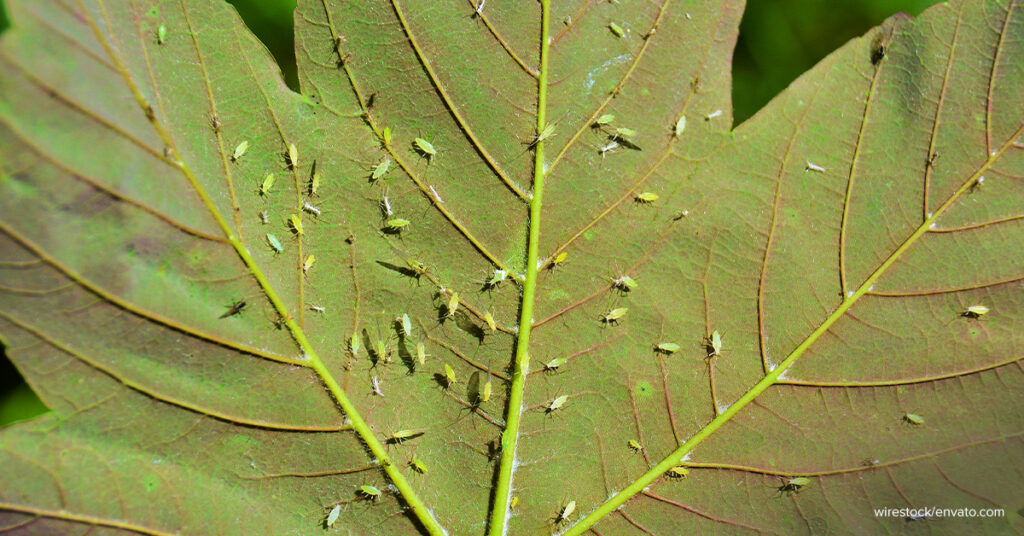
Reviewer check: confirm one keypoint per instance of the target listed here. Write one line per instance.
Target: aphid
(380, 169)
(318, 309)
(235, 308)
(436, 195)
(566, 511)
(369, 491)
(161, 35)
(714, 344)
(555, 363)
(449, 374)
(635, 445)
(381, 350)
(425, 147)
(275, 243)
(310, 208)
(314, 184)
(354, 344)
(268, 183)
(418, 465)
(421, 352)
(416, 266)
(453, 305)
(385, 207)
(678, 472)
(624, 283)
(794, 484)
(375, 383)
(680, 126)
(513, 503)
(240, 150)
(913, 418)
(402, 436)
(489, 318)
(605, 119)
(623, 133)
(646, 198)
(975, 311)
(811, 166)
(215, 123)
(546, 133)
(308, 263)
(616, 29)
(396, 224)
(485, 395)
(406, 325)
(667, 347)
(332, 517)
(613, 316)
(293, 156)
(680, 215)
(387, 136)
(712, 115)
(605, 149)
(559, 259)
(264, 217)
(296, 223)
(556, 404)
(496, 279)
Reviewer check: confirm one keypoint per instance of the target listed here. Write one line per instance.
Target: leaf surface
(800, 282)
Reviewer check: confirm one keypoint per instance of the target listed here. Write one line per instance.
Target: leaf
(820, 269)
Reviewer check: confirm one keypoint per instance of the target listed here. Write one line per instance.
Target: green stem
(509, 438)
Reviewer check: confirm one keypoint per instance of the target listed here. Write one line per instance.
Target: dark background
(779, 40)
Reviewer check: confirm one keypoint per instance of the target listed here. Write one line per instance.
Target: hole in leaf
(17, 401)
(271, 22)
(781, 39)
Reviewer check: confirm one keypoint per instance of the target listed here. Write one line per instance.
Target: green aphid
(794, 484)
(418, 465)
(667, 347)
(314, 183)
(449, 374)
(293, 156)
(623, 132)
(354, 344)
(396, 224)
(635, 445)
(332, 517)
(625, 283)
(402, 436)
(486, 394)
(678, 472)
(370, 492)
(381, 168)
(646, 198)
(616, 29)
(556, 404)
(268, 183)
(161, 35)
(425, 147)
(913, 418)
(275, 243)
(240, 150)
(421, 353)
(406, 325)
(605, 119)
(613, 316)
(546, 133)
(714, 343)
(555, 363)
(296, 223)
(387, 136)
(680, 126)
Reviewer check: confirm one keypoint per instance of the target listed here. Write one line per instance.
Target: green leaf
(777, 327)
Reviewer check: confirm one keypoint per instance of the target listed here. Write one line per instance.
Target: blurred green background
(779, 40)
